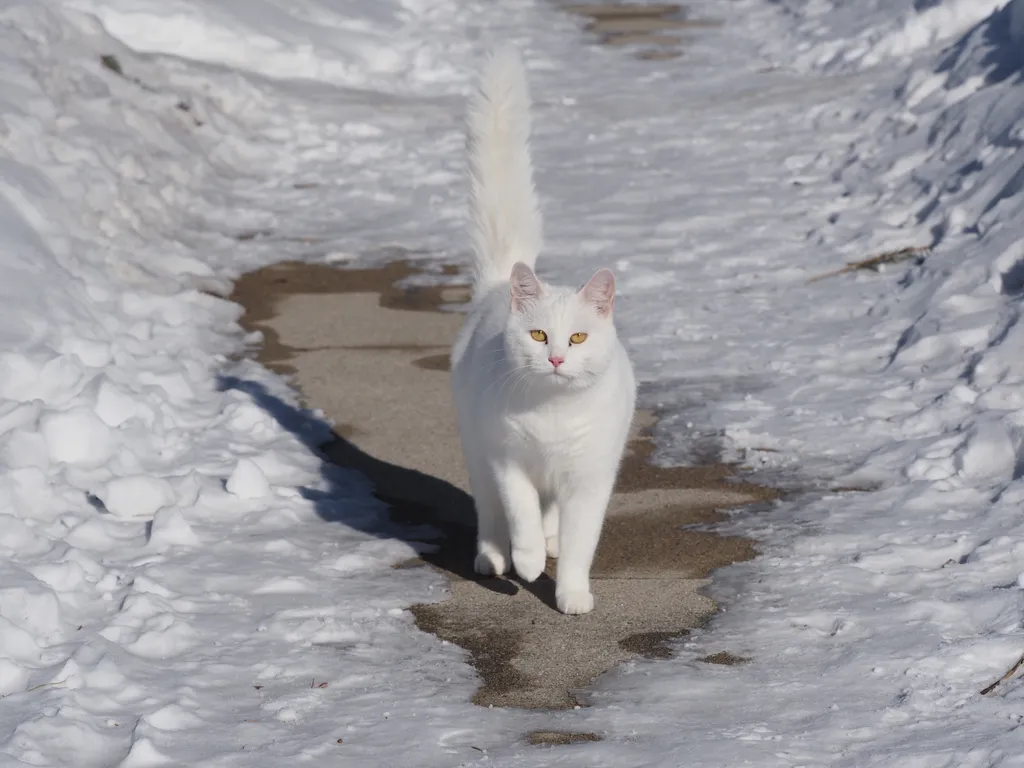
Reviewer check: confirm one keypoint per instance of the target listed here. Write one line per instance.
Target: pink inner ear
(599, 292)
(523, 285)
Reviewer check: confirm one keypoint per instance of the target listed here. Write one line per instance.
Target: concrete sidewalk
(374, 358)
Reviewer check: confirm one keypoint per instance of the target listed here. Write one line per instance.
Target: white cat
(544, 390)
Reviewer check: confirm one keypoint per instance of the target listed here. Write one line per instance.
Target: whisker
(518, 381)
(525, 371)
(503, 379)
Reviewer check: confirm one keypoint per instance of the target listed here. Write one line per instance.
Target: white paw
(574, 603)
(490, 564)
(551, 545)
(529, 563)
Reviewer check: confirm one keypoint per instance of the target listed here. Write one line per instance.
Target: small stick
(889, 257)
(1009, 673)
(54, 684)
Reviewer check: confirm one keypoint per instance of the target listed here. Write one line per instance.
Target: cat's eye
(538, 336)
(578, 338)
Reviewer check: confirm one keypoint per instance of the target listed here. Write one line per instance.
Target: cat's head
(561, 336)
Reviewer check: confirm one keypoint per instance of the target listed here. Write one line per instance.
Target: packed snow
(184, 581)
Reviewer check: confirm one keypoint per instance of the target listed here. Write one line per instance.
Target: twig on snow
(1009, 673)
(889, 257)
(54, 684)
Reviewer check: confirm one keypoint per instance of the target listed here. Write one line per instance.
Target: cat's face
(559, 336)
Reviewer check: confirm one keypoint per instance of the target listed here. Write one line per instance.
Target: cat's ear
(599, 292)
(524, 286)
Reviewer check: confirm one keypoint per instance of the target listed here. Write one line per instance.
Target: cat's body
(544, 390)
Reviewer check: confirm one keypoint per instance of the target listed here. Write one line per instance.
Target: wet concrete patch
(652, 28)
(540, 738)
(373, 356)
(440, 362)
(261, 292)
(651, 645)
(724, 658)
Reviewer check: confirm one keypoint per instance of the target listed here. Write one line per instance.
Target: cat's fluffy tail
(506, 222)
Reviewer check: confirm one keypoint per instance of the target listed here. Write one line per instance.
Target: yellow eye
(538, 336)
(578, 338)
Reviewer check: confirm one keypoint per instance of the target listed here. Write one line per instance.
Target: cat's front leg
(549, 518)
(522, 510)
(582, 515)
(492, 543)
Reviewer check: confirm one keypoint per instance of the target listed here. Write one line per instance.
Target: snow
(137, 496)
(247, 481)
(845, 35)
(177, 564)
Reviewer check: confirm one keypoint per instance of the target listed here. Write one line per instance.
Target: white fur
(506, 222)
(542, 443)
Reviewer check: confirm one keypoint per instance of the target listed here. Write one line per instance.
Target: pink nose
(556, 361)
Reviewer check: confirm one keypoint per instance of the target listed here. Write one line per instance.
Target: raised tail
(506, 222)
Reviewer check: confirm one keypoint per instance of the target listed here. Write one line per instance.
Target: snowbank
(837, 34)
(142, 474)
(389, 46)
(879, 613)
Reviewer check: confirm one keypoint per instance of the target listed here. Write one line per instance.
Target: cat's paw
(490, 564)
(551, 545)
(529, 563)
(575, 602)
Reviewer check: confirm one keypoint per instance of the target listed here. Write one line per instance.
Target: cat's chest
(551, 436)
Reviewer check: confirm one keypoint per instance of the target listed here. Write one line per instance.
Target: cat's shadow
(429, 513)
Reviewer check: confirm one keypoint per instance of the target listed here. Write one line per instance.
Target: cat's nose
(556, 361)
